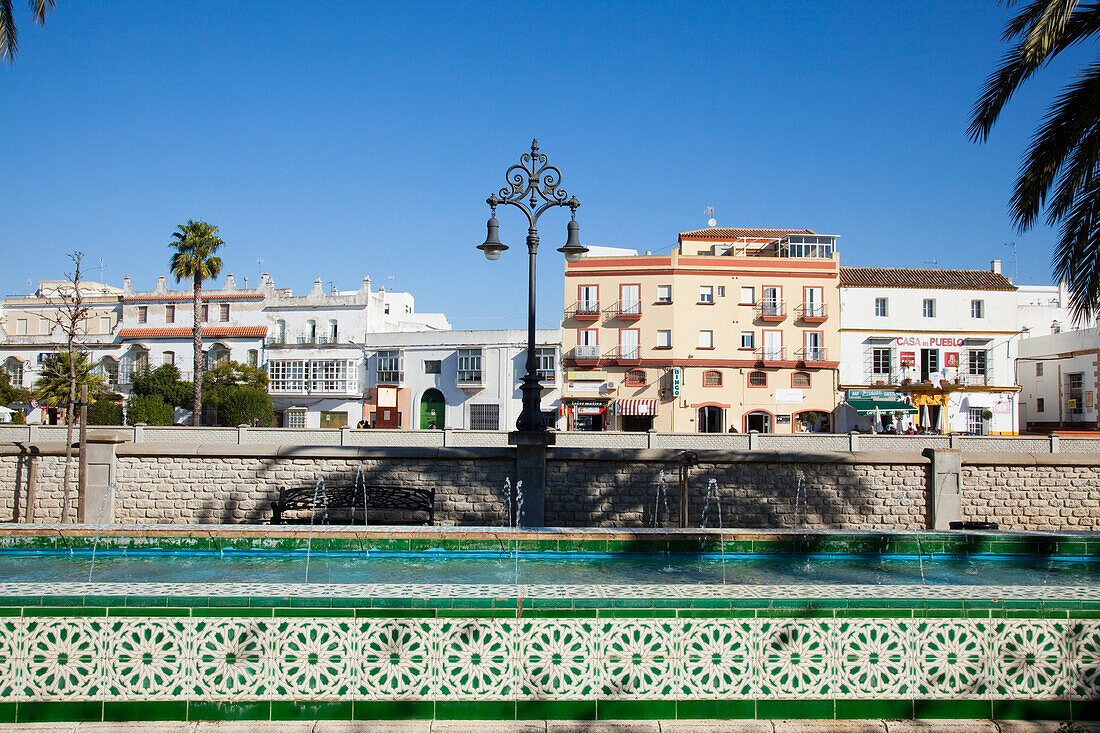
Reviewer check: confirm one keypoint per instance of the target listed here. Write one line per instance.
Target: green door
(432, 410)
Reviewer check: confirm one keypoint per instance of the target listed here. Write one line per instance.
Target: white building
(1058, 377)
(943, 342)
(1045, 309)
(457, 379)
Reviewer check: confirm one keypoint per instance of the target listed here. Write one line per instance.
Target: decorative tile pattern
(684, 590)
(237, 658)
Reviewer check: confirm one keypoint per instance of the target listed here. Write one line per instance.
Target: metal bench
(342, 500)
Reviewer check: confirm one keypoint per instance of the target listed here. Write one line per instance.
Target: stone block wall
(1033, 497)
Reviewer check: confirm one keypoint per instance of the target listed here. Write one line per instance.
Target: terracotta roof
(212, 331)
(186, 298)
(726, 233)
(905, 277)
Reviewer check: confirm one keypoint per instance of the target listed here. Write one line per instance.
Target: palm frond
(1077, 257)
(9, 40)
(40, 9)
(1068, 132)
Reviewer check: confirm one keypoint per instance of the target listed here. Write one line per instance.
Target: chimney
(995, 266)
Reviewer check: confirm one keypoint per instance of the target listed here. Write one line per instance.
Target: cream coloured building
(733, 329)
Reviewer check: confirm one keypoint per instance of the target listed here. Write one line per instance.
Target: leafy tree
(163, 381)
(1061, 169)
(105, 412)
(55, 384)
(9, 393)
(17, 418)
(223, 379)
(194, 259)
(148, 409)
(246, 405)
(9, 41)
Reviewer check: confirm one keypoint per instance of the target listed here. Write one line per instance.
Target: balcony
(586, 354)
(771, 311)
(319, 339)
(812, 313)
(626, 311)
(584, 310)
(625, 354)
(768, 354)
(884, 378)
(976, 380)
(812, 355)
(470, 379)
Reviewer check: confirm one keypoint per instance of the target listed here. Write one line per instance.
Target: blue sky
(346, 138)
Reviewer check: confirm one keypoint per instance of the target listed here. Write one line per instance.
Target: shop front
(636, 415)
(875, 411)
(586, 415)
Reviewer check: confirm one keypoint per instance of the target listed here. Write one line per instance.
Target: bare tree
(71, 315)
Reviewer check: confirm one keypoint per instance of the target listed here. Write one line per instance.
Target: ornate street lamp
(533, 187)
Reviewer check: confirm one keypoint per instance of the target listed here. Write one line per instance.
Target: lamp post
(534, 188)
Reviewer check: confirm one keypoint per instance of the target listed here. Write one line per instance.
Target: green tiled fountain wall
(156, 658)
(586, 487)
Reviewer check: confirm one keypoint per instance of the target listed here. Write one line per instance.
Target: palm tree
(9, 40)
(1061, 170)
(196, 242)
(55, 384)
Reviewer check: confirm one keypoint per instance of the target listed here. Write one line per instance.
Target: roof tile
(726, 233)
(906, 277)
(176, 332)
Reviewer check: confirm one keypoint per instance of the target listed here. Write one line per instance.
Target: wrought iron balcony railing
(584, 310)
(812, 312)
(771, 311)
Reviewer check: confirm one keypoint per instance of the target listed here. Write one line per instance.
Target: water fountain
(319, 488)
(361, 485)
(660, 498)
(108, 494)
(712, 494)
(800, 499)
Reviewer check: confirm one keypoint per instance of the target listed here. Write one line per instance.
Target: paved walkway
(554, 726)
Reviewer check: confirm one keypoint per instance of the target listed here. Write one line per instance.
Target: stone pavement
(556, 726)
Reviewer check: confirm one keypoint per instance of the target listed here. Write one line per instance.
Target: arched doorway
(432, 407)
(813, 421)
(759, 421)
(14, 369)
(709, 419)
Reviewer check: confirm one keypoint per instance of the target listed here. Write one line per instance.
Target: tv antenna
(709, 213)
(934, 262)
(101, 270)
(1015, 268)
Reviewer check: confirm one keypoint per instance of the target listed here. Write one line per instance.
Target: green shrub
(105, 412)
(243, 405)
(148, 409)
(17, 418)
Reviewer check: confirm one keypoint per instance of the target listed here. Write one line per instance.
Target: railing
(320, 339)
(771, 353)
(771, 310)
(812, 354)
(884, 378)
(812, 312)
(629, 310)
(586, 353)
(976, 380)
(584, 310)
(625, 353)
(315, 387)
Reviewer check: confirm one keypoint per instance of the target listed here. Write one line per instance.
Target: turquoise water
(138, 566)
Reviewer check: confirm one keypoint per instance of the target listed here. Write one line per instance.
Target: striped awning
(645, 408)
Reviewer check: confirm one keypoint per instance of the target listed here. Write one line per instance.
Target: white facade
(949, 351)
(1045, 309)
(1058, 379)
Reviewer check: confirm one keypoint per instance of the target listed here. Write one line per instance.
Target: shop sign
(589, 376)
(587, 410)
(676, 382)
(782, 419)
(789, 396)
(1072, 404)
(930, 342)
(873, 394)
(908, 358)
(951, 359)
(593, 387)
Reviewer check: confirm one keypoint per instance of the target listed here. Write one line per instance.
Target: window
(296, 417)
(712, 378)
(758, 379)
(664, 339)
(721, 291)
(976, 362)
(975, 424)
(706, 339)
(45, 326)
(882, 361)
(1075, 403)
(629, 343)
(800, 380)
(808, 246)
(253, 357)
(588, 344)
(484, 417)
(706, 293)
(1039, 369)
(813, 345)
(748, 340)
(814, 306)
(977, 309)
(664, 293)
(389, 367)
(223, 312)
(635, 378)
(1040, 405)
(881, 307)
(469, 368)
(205, 312)
(105, 324)
(170, 313)
(333, 332)
(386, 309)
(280, 332)
(143, 314)
(168, 357)
(928, 308)
(433, 366)
(321, 376)
(748, 296)
(630, 299)
(547, 363)
(21, 327)
(588, 299)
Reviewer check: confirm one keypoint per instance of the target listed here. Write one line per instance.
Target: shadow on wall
(801, 491)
